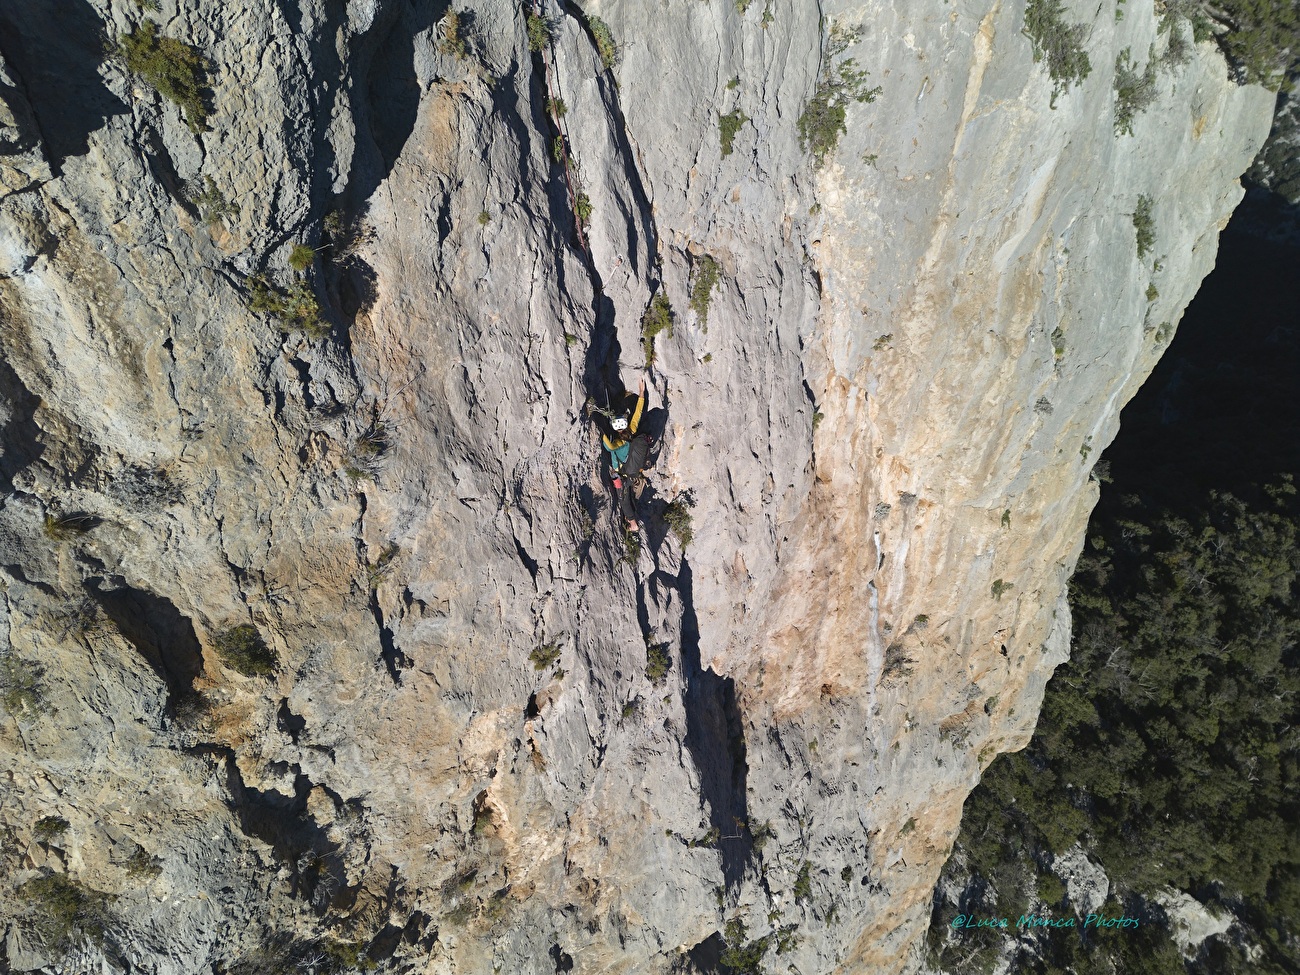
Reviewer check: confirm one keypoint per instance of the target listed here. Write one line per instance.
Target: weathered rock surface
(911, 361)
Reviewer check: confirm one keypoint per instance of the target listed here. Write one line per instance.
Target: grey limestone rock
(459, 760)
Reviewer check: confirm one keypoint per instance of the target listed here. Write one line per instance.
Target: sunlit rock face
(886, 418)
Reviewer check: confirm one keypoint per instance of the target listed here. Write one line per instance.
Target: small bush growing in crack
(1187, 25)
(742, 956)
(142, 865)
(539, 33)
(582, 206)
(346, 237)
(787, 938)
(294, 309)
(803, 883)
(545, 655)
(631, 548)
(67, 528)
(897, 663)
(1144, 226)
(604, 39)
(823, 119)
(707, 273)
(677, 516)
(242, 648)
(1001, 588)
(657, 318)
(452, 41)
(64, 911)
(301, 257)
(20, 684)
(657, 662)
(728, 126)
(48, 828)
(1134, 93)
(170, 67)
(556, 107)
(1058, 44)
(380, 569)
(212, 204)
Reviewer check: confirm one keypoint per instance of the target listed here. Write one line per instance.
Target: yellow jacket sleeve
(636, 415)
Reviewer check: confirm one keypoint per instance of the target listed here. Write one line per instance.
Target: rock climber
(627, 449)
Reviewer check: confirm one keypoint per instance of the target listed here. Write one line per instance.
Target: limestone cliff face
(911, 361)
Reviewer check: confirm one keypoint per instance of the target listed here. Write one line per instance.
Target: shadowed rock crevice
(19, 435)
(715, 738)
(156, 628)
(315, 862)
(55, 48)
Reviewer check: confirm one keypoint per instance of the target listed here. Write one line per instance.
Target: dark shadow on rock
(55, 48)
(156, 628)
(386, 101)
(19, 436)
(318, 874)
(715, 737)
(704, 959)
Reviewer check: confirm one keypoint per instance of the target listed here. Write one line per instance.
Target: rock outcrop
(885, 415)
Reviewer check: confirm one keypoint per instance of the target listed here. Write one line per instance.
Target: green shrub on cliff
(539, 33)
(728, 126)
(657, 318)
(823, 119)
(707, 272)
(242, 648)
(604, 39)
(1057, 44)
(64, 911)
(295, 309)
(1134, 92)
(1144, 226)
(172, 68)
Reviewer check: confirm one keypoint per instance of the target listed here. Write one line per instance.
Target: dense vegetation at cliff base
(1168, 748)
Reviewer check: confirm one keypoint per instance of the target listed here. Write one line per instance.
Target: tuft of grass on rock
(67, 528)
(301, 257)
(172, 68)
